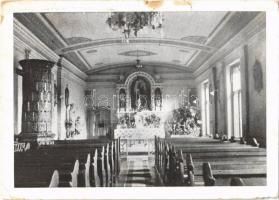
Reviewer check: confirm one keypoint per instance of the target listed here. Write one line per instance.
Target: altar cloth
(138, 139)
(139, 133)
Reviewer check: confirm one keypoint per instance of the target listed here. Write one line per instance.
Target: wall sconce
(212, 91)
(195, 100)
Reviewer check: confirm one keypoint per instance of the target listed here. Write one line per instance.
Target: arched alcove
(158, 99)
(129, 84)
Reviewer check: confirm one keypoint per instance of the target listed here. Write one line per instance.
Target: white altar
(138, 139)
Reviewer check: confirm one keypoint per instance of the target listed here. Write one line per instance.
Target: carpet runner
(138, 171)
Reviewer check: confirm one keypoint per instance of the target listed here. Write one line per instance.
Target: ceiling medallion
(137, 53)
(126, 22)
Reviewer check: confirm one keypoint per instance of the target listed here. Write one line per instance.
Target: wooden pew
(74, 174)
(215, 152)
(189, 169)
(101, 168)
(54, 179)
(51, 160)
(108, 167)
(208, 178)
(242, 171)
(95, 179)
(105, 166)
(236, 181)
(87, 171)
(39, 176)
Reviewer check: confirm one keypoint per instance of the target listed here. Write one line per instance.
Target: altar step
(137, 153)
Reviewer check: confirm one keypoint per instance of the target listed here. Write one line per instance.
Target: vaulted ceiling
(184, 42)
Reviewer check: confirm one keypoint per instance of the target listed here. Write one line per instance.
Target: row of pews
(209, 162)
(69, 163)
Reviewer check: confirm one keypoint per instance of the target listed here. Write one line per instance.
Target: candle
(41, 96)
(28, 106)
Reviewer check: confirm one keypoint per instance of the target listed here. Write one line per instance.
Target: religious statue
(71, 112)
(67, 94)
(139, 103)
(158, 99)
(77, 126)
(122, 100)
(140, 91)
(140, 94)
(69, 119)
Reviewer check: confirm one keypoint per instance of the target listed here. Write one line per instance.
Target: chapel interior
(132, 99)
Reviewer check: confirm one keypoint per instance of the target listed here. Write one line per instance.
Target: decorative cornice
(133, 75)
(21, 33)
(145, 64)
(63, 40)
(163, 77)
(118, 41)
(233, 26)
(218, 27)
(243, 37)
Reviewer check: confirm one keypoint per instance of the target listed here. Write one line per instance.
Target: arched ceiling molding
(134, 75)
(118, 41)
(145, 64)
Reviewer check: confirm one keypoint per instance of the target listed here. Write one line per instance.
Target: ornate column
(37, 97)
(59, 100)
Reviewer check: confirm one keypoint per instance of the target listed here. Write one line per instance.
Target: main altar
(139, 113)
(137, 131)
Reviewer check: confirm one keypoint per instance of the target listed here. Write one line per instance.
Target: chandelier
(128, 22)
(138, 64)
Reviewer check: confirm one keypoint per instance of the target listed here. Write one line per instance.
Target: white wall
(76, 96)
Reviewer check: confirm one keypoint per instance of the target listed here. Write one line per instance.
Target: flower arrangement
(184, 121)
(149, 120)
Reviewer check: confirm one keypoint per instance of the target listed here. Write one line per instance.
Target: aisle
(138, 171)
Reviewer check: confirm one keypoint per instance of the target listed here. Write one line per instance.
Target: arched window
(234, 108)
(236, 101)
(205, 108)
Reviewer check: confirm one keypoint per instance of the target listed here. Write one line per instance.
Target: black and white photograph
(153, 98)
